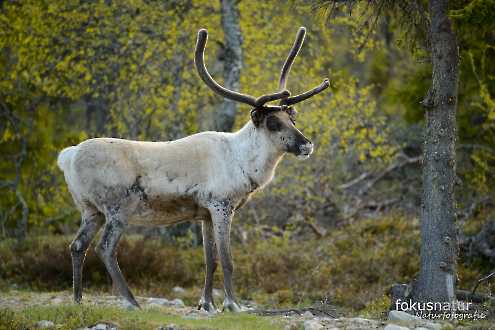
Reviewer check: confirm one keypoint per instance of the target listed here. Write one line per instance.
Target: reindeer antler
(227, 93)
(283, 95)
(284, 74)
(306, 95)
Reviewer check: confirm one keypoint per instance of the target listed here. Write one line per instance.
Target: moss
(377, 308)
(75, 316)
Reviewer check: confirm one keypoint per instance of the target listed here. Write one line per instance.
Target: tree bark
(232, 55)
(176, 130)
(101, 116)
(437, 276)
(97, 112)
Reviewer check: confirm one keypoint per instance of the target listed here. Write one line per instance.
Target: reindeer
(203, 177)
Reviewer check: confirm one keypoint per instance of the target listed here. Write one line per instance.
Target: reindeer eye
(273, 124)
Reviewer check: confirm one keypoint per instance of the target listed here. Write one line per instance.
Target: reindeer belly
(166, 212)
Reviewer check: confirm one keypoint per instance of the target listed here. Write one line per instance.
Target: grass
(74, 316)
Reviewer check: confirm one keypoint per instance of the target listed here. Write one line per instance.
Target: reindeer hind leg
(90, 223)
(106, 250)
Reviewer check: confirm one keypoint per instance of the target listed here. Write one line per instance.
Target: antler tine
(209, 81)
(284, 74)
(272, 97)
(306, 95)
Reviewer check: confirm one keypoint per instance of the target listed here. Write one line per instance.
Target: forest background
(341, 226)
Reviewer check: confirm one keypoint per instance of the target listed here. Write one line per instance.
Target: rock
(432, 325)
(394, 327)
(158, 301)
(99, 326)
(178, 290)
(178, 302)
(170, 326)
(312, 325)
(360, 320)
(421, 328)
(44, 324)
(57, 301)
(402, 316)
(127, 305)
(102, 326)
(415, 321)
(165, 302)
(356, 323)
(293, 325)
(307, 314)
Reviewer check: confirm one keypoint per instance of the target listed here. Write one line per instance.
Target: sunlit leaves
(134, 59)
(474, 25)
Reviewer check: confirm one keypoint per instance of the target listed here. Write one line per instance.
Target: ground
(21, 309)
(352, 268)
(58, 308)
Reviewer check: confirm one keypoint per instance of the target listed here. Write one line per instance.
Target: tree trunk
(437, 276)
(96, 112)
(101, 116)
(225, 116)
(176, 130)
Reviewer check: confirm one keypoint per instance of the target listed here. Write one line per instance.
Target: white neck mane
(256, 154)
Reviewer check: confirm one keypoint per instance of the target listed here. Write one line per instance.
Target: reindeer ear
(256, 117)
(291, 111)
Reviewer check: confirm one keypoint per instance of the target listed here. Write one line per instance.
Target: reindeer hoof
(231, 306)
(208, 307)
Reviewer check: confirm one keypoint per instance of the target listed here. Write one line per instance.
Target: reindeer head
(277, 122)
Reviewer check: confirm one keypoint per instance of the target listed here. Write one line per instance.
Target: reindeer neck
(257, 156)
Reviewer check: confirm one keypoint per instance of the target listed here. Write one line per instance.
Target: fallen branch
(320, 232)
(354, 181)
(469, 212)
(375, 177)
(481, 280)
(391, 168)
(404, 292)
(481, 244)
(371, 205)
(466, 295)
(295, 311)
(378, 206)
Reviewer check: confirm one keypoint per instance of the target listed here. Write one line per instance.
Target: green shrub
(10, 320)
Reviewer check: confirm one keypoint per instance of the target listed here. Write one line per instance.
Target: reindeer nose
(306, 149)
